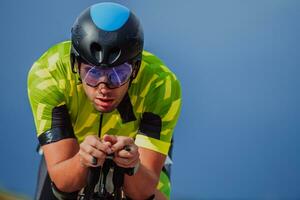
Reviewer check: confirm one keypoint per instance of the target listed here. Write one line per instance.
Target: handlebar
(98, 175)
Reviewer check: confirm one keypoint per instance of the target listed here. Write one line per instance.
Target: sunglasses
(112, 77)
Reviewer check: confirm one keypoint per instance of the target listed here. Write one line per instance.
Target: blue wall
(238, 62)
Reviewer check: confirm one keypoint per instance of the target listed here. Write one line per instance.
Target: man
(100, 94)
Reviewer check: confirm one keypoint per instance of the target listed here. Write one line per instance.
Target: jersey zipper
(100, 125)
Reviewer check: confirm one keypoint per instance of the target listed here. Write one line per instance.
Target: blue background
(238, 63)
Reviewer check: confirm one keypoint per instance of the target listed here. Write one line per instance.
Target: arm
(63, 163)
(68, 162)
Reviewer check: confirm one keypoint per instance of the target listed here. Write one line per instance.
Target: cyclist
(103, 83)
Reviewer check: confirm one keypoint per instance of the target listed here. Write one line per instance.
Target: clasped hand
(93, 151)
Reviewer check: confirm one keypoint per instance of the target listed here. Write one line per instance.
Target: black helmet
(107, 34)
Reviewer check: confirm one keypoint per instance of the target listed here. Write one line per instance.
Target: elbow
(61, 192)
(143, 195)
(67, 187)
(64, 181)
(62, 187)
(146, 192)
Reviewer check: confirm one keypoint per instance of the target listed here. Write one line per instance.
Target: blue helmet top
(109, 16)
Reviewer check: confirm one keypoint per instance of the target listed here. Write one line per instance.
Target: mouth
(103, 102)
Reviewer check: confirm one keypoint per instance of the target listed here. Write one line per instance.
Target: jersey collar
(125, 109)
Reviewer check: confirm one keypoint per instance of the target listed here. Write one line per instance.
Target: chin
(104, 109)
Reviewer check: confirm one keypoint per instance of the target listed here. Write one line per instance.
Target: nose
(103, 89)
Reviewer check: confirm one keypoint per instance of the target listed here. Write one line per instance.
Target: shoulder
(154, 69)
(155, 83)
(51, 70)
(154, 72)
(59, 52)
(149, 58)
(55, 62)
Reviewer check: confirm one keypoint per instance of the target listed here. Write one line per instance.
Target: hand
(125, 150)
(93, 151)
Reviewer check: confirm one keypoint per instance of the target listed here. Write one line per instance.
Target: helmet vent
(114, 54)
(97, 52)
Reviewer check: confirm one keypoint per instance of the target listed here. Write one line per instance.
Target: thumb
(110, 138)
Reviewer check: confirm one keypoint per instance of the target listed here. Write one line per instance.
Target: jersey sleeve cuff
(54, 135)
(153, 144)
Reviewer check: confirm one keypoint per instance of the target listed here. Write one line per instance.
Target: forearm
(69, 175)
(141, 185)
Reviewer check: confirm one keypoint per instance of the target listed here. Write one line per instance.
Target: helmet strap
(136, 67)
(75, 60)
(136, 63)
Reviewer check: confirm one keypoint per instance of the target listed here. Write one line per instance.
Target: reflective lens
(113, 77)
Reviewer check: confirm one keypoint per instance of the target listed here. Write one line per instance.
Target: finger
(124, 154)
(108, 147)
(121, 143)
(104, 147)
(89, 160)
(92, 151)
(98, 154)
(85, 158)
(110, 138)
(96, 143)
(126, 163)
(87, 148)
(91, 139)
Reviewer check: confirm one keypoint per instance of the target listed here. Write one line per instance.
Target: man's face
(103, 98)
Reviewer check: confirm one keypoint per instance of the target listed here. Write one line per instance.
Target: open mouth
(104, 102)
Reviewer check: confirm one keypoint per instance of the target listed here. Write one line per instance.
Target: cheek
(122, 90)
(89, 91)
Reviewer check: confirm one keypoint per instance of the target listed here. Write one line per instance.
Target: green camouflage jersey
(148, 112)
